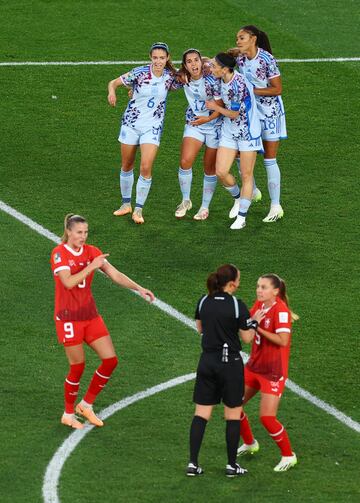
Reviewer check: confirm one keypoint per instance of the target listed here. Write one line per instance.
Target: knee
(185, 162)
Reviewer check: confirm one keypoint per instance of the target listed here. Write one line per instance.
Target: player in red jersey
(77, 320)
(267, 369)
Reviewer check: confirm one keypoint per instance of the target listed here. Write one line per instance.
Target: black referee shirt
(221, 315)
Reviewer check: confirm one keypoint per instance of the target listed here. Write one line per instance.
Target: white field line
(171, 311)
(53, 471)
(88, 63)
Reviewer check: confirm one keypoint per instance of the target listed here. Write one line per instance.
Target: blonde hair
(69, 221)
(279, 283)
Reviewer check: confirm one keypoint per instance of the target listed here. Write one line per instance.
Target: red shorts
(72, 333)
(259, 382)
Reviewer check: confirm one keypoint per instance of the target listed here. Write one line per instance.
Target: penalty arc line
(53, 470)
(329, 409)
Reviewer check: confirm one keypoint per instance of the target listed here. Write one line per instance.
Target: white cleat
(235, 209)
(239, 223)
(183, 207)
(202, 214)
(248, 448)
(275, 213)
(286, 463)
(257, 196)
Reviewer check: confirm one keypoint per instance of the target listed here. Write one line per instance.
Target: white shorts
(132, 136)
(241, 145)
(273, 129)
(210, 137)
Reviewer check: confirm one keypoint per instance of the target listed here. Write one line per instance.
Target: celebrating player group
(234, 109)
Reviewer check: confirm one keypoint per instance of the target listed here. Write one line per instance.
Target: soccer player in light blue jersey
(142, 124)
(240, 131)
(255, 61)
(202, 127)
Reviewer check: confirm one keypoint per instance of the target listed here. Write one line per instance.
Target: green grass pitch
(61, 155)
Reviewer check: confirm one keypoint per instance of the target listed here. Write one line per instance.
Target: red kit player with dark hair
(267, 369)
(77, 320)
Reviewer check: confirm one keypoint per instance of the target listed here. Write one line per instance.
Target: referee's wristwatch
(252, 323)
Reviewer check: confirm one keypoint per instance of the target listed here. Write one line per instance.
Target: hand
(99, 261)
(206, 66)
(259, 315)
(211, 105)
(112, 99)
(146, 294)
(130, 93)
(182, 77)
(199, 120)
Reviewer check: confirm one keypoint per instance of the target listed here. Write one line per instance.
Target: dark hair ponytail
(219, 279)
(262, 40)
(279, 283)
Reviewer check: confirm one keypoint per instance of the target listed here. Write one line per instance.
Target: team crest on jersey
(72, 263)
(57, 258)
(267, 322)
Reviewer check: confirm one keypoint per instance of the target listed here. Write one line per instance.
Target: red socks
(100, 378)
(71, 386)
(245, 430)
(278, 434)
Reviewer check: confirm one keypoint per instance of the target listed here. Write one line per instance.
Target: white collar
(77, 254)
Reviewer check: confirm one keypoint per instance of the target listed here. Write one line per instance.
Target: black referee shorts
(217, 381)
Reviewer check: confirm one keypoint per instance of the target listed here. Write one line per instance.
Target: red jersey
(77, 303)
(266, 358)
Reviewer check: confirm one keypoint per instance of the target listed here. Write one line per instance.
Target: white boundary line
(174, 313)
(88, 63)
(54, 468)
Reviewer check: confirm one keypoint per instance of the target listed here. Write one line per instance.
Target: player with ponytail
(73, 263)
(255, 61)
(142, 124)
(220, 318)
(267, 369)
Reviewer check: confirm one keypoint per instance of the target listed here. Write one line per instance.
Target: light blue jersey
(259, 71)
(238, 95)
(146, 110)
(197, 92)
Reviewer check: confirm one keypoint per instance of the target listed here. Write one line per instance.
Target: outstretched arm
(121, 279)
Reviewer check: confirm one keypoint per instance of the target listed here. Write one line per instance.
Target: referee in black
(220, 318)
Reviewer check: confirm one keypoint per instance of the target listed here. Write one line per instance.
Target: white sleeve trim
(273, 76)
(217, 98)
(287, 330)
(202, 302)
(61, 268)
